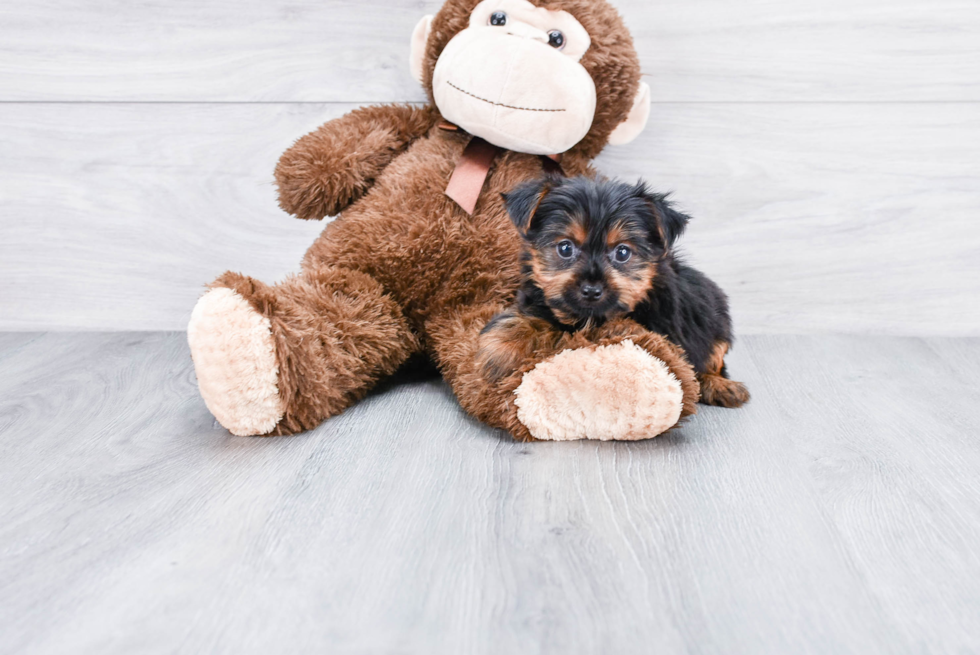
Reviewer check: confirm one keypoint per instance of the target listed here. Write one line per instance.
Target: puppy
(600, 250)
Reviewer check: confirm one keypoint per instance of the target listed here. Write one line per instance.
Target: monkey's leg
(621, 382)
(280, 359)
(453, 338)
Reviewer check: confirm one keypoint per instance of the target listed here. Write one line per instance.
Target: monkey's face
(514, 78)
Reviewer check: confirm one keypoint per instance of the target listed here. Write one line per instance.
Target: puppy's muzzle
(591, 292)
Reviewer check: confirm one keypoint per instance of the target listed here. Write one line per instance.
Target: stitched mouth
(498, 104)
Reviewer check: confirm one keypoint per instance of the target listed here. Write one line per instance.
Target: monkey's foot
(235, 359)
(614, 392)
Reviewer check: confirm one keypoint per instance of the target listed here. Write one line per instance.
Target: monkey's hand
(333, 166)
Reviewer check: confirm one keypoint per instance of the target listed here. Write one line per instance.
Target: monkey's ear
(629, 129)
(420, 37)
(523, 202)
(668, 224)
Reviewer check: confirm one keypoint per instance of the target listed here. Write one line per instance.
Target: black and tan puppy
(597, 251)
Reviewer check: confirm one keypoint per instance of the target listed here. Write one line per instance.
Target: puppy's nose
(591, 291)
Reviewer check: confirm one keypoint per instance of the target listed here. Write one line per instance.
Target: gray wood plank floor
(839, 512)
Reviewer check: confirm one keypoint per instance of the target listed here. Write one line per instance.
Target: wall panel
(815, 217)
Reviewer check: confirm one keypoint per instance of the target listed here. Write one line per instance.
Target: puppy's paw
(722, 392)
(509, 341)
(612, 392)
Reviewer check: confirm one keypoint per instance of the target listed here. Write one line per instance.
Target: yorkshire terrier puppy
(597, 251)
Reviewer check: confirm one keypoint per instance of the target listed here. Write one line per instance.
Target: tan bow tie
(473, 168)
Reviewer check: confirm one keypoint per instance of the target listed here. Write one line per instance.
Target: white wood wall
(830, 152)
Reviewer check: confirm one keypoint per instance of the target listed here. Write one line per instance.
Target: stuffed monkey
(422, 253)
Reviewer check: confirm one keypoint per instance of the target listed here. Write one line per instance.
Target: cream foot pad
(615, 392)
(235, 359)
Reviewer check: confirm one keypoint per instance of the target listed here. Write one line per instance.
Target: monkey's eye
(622, 254)
(498, 18)
(566, 249)
(556, 39)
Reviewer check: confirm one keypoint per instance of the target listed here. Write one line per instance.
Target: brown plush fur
(403, 269)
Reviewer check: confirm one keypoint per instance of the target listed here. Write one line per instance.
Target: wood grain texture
(826, 218)
(815, 218)
(185, 50)
(356, 51)
(116, 216)
(837, 512)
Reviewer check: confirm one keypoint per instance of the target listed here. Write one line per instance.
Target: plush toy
(423, 253)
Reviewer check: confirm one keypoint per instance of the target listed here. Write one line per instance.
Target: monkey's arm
(331, 167)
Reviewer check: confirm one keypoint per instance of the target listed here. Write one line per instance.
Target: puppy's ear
(668, 223)
(523, 202)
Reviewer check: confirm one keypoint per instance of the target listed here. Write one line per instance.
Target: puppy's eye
(622, 254)
(498, 19)
(566, 249)
(556, 39)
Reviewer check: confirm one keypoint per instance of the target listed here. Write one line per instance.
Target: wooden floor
(839, 512)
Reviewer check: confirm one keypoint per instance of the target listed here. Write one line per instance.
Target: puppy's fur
(595, 251)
